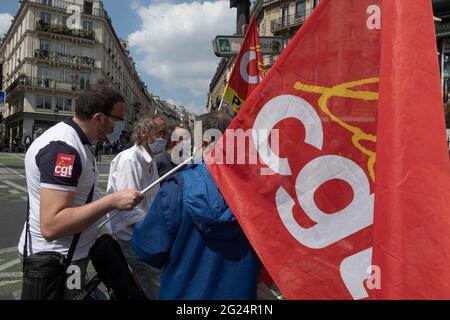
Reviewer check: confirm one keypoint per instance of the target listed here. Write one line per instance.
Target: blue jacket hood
(206, 206)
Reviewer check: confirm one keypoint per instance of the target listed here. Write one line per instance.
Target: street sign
(2, 97)
(229, 46)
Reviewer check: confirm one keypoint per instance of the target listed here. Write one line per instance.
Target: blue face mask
(117, 131)
(158, 146)
(115, 135)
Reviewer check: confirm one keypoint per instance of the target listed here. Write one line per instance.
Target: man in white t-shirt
(61, 170)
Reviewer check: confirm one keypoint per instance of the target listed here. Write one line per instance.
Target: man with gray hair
(135, 168)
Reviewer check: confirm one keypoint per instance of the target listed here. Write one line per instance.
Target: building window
(88, 7)
(63, 104)
(64, 20)
(65, 48)
(42, 79)
(86, 52)
(87, 25)
(43, 102)
(46, 17)
(64, 75)
(23, 26)
(285, 43)
(47, 2)
(85, 81)
(42, 72)
(284, 16)
(44, 45)
(300, 8)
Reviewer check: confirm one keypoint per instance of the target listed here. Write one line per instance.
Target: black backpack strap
(27, 229)
(72, 248)
(76, 237)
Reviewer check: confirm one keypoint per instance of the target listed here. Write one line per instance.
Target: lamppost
(242, 14)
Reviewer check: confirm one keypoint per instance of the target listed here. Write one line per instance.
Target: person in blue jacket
(192, 234)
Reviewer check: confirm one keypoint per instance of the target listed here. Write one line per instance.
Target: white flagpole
(220, 105)
(153, 185)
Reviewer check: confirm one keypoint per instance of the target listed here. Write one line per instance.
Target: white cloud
(5, 22)
(174, 44)
(171, 101)
(192, 106)
(196, 108)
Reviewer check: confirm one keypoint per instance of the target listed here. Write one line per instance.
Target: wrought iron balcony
(63, 30)
(289, 21)
(265, 2)
(42, 82)
(64, 58)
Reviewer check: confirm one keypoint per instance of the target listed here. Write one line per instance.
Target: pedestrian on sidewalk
(98, 151)
(28, 142)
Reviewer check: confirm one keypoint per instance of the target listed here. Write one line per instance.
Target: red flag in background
(412, 194)
(307, 208)
(248, 69)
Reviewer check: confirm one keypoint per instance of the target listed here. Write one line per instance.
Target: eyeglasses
(113, 116)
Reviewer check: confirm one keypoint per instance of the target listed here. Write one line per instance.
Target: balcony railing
(269, 1)
(42, 82)
(61, 4)
(289, 21)
(62, 29)
(64, 58)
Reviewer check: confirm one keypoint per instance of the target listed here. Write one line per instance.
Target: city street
(13, 201)
(319, 167)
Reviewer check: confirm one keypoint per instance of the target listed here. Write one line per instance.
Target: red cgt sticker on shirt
(64, 165)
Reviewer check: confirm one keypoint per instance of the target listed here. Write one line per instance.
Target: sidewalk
(107, 158)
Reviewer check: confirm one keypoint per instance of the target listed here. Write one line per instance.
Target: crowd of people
(180, 238)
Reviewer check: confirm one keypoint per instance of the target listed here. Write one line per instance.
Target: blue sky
(170, 41)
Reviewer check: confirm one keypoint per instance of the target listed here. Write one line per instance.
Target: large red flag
(248, 69)
(412, 194)
(307, 208)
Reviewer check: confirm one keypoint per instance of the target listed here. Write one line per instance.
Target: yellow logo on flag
(343, 91)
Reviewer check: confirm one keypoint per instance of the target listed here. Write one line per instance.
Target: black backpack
(112, 269)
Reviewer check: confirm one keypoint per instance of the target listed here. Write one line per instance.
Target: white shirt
(62, 158)
(133, 168)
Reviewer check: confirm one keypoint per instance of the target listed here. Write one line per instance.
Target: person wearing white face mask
(159, 144)
(117, 131)
(135, 168)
